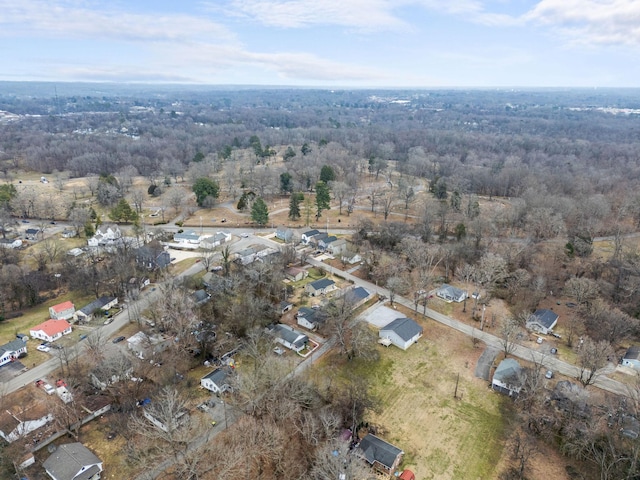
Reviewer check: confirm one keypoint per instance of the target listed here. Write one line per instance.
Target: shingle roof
(218, 376)
(356, 294)
(95, 305)
(69, 459)
(322, 283)
(289, 335)
(12, 346)
(405, 328)
(451, 290)
(62, 306)
(377, 450)
(52, 327)
(545, 317)
(310, 233)
(633, 353)
(507, 370)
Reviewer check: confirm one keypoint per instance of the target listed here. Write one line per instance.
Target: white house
(337, 246)
(451, 294)
(507, 378)
(73, 461)
(310, 318)
(9, 243)
(632, 357)
(289, 337)
(307, 236)
(188, 237)
(176, 422)
(62, 311)
(296, 274)
(106, 235)
(401, 332)
(542, 321)
(216, 240)
(216, 381)
(15, 423)
(320, 287)
(12, 351)
(51, 330)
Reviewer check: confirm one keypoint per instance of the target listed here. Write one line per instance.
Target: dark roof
(289, 335)
(633, 353)
(310, 233)
(322, 283)
(377, 450)
(218, 376)
(153, 254)
(507, 371)
(329, 240)
(32, 231)
(200, 295)
(357, 294)
(95, 305)
(405, 328)
(68, 460)
(545, 317)
(451, 290)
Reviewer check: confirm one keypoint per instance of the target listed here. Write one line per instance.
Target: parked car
(43, 348)
(48, 388)
(108, 321)
(118, 339)
(217, 268)
(549, 374)
(244, 235)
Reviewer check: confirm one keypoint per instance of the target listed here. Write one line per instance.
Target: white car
(48, 389)
(43, 348)
(244, 235)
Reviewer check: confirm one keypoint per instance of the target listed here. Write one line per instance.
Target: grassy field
(443, 437)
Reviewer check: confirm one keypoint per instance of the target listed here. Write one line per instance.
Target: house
(542, 321)
(379, 454)
(631, 357)
(337, 246)
(20, 419)
(12, 351)
(284, 234)
(402, 332)
(111, 371)
(310, 318)
(407, 475)
(69, 233)
(296, 274)
(179, 419)
(323, 244)
(51, 330)
(62, 311)
(75, 252)
(9, 243)
(31, 233)
(145, 346)
(317, 238)
(200, 297)
(216, 240)
(73, 461)
(102, 304)
(152, 256)
(217, 381)
(451, 294)
(249, 254)
(351, 258)
(188, 237)
(106, 235)
(356, 296)
(289, 337)
(306, 236)
(285, 307)
(507, 379)
(320, 287)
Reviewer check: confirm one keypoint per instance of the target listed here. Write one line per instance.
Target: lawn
(443, 437)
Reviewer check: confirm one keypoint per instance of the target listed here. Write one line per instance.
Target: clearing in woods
(442, 437)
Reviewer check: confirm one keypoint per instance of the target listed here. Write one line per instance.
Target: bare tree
(509, 331)
(592, 357)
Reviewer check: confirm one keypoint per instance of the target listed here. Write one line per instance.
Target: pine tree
(260, 212)
(323, 199)
(294, 205)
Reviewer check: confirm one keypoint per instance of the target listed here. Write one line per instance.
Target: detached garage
(402, 332)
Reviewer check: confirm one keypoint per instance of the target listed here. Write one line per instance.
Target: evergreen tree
(123, 212)
(289, 154)
(260, 212)
(327, 174)
(323, 198)
(286, 186)
(294, 205)
(204, 187)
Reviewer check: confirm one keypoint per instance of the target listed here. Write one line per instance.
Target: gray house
(402, 332)
(306, 236)
(73, 461)
(542, 321)
(451, 294)
(632, 357)
(379, 454)
(284, 234)
(152, 256)
(100, 305)
(507, 379)
(310, 318)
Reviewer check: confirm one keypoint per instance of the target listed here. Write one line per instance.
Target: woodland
(524, 195)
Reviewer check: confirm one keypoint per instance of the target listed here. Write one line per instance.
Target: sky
(324, 43)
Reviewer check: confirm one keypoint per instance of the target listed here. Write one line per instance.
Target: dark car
(119, 339)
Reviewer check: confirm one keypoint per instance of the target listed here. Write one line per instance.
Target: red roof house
(51, 330)
(62, 311)
(407, 475)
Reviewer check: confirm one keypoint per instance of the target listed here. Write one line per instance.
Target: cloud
(65, 19)
(590, 22)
